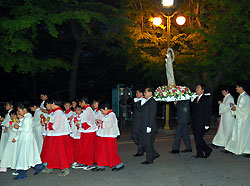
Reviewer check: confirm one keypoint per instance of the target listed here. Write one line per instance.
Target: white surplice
(9, 155)
(227, 120)
(4, 135)
(88, 117)
(109, 127)
(75, 131)
(37, 129)
(240, 140)
(27, 151)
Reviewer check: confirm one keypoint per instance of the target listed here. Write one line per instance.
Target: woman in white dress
(9, 155)
(27, 151)
(5, 122)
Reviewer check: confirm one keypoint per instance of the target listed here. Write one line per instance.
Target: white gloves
(148, 130)
(206, 127)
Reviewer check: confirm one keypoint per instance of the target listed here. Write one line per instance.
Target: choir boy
(59, 144)
(106, 143)
(86, 147)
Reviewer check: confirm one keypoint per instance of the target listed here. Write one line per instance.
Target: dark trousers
(147, 141)
(201, 145)
(135, 138)
(182, 132)
(23, 173)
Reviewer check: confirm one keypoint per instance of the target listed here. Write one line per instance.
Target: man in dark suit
(183, 116)
(148, 127)
(136, 121)
(201, 121)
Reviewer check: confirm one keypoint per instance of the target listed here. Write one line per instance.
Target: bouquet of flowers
(172, 93)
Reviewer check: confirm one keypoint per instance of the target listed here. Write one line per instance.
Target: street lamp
(157, 21)
(167, 3)
(180, 20)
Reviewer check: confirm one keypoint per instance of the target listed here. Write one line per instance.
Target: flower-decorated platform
(174, 93)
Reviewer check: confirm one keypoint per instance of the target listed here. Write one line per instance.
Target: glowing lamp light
(180, 20)
(167, 2)
(157, 21)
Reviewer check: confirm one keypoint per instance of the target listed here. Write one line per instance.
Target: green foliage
(22, 25)
(212, 47)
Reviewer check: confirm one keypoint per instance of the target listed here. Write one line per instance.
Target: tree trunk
(75, 60)
(197, 12)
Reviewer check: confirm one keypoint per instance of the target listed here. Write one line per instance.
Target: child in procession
(94, 105)
(73, 105)
(43, 97)
(106, 143)
(68, 111)
(45, 133)
(58, 146)
(37, 127)
(10, 151)
(5, 134)
(86, 146)
(26, 145)
(75, 135)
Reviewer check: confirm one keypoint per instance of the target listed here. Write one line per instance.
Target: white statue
(169, 66)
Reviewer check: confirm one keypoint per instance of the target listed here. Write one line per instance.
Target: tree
(201, 47)
(87, 23)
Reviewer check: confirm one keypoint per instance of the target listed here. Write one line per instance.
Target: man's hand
(13, 140)
(219, 102)
(233, 108)
(148, 129)
(206, 127)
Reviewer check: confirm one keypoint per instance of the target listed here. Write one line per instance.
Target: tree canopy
(46, 36)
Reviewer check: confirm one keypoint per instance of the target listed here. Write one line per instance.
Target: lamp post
(170, 54)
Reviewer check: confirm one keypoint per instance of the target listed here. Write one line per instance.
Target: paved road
(169, 170)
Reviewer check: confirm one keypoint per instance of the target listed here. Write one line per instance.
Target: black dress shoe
(137, 155)
(174, 151)
(247, 155)
(207, 154)
(186, 150)
(117, 169)
(156, 157)
(197, 156)
(146, 162)
(98, 169)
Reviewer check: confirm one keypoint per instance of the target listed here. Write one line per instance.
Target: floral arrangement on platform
(172, 93)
